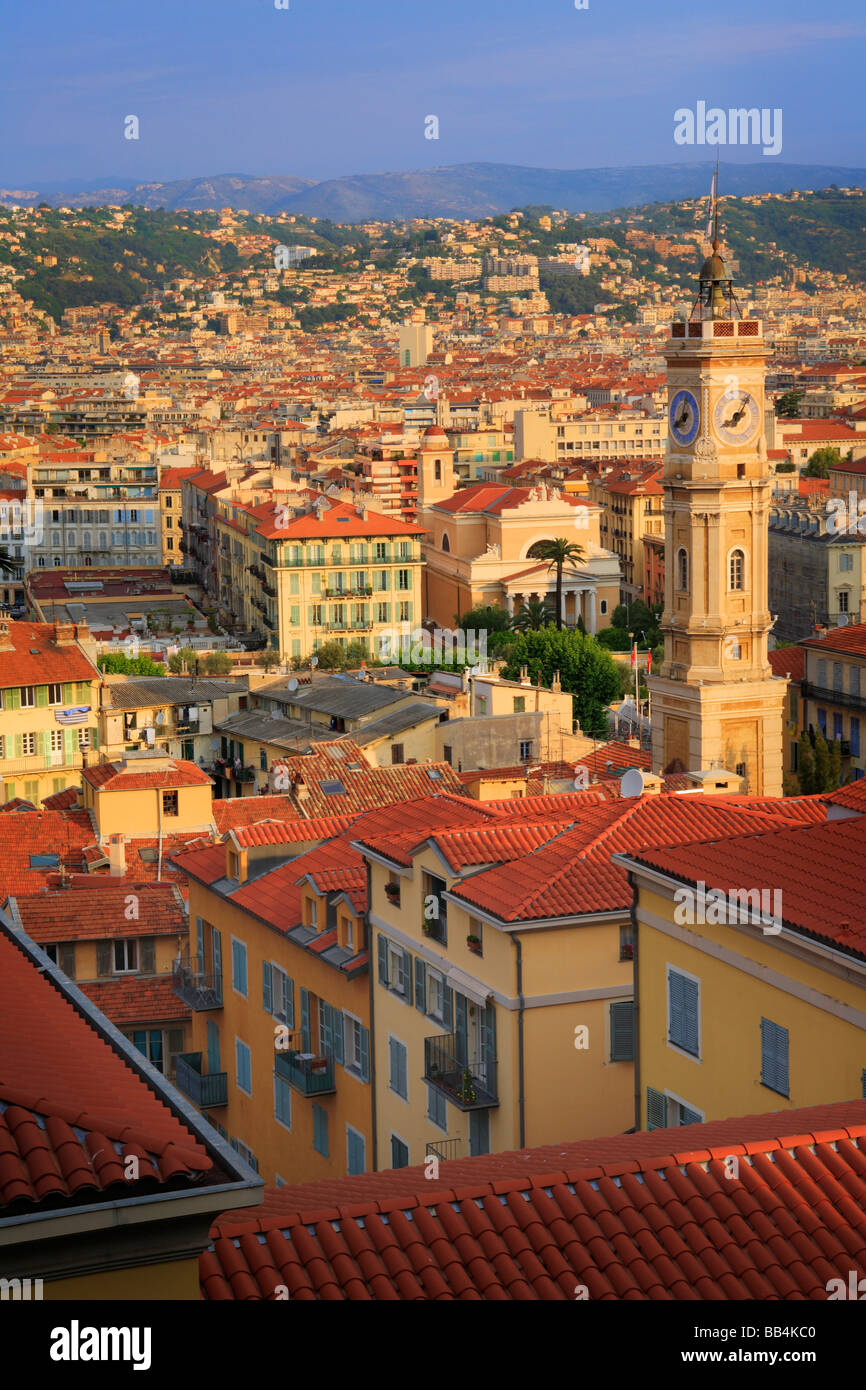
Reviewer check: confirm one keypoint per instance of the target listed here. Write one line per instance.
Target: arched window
(446, 544)
(682, 569)
(437, 470)
(737, 570)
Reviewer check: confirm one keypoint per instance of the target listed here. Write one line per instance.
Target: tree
(558, 553)
(332, 656)
(805, 765)
(268, 659)
(835, 765)
(356, 652)
(535, 614)
(116, 664)
(788, 404)
(586, 670)
(822, 764)
(821, 462)
(186, 660)
(487, 619)
(217, 664)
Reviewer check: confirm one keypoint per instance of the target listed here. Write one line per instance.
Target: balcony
(468, 1082)
(310, 1073)
(811, 691)
(197, 989)
(202, 1089)
(443, 1149)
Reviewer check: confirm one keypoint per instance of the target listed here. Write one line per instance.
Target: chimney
(524, 676)
(82, 632)
(5, 632)
(64, 634)
(117, 856)
(556, 684)
(464, 680)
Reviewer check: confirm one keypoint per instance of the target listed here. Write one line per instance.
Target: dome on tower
(714, 268)
(435, 432)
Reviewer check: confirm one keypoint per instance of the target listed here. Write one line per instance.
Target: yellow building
(277, 978)
(171, 514)
(50, 704)
(150, 796)
(833, 688)
(715, 701)
(630, 499)
(482, 539)
(751, 968)
(303, 572)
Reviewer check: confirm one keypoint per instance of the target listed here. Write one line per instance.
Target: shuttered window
(656, 1109)
(622, 1031)
(243, 1067)
(282, 1101)
(239, 966)
(398, 1069)
(267, 987)
(774, 1056)
(320, 1130)
(356, 1152)
(683, 1004)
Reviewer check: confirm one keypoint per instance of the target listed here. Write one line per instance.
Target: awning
(465, 984)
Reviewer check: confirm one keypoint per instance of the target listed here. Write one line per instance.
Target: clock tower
(715, 701)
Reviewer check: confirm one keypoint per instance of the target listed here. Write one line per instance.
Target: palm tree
(532, 616)
(558, 553)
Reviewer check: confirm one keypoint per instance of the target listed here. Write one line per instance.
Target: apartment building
(632, 509)
(170, 495)
(834, 692)
(93, 511)
(541, 434)
(738, 919)
(304, 572)
(50, 702)
(172, 715)
(817, 573)
(508, 274)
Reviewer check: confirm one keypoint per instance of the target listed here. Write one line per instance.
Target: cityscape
(433, 673)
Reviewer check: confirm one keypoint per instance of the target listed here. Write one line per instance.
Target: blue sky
(333, 87)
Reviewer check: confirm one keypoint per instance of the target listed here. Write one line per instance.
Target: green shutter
(421, 986)
(19, 746)
(12, 697)
(383, 950)
(326, 1029)
(406, 976)
(94, 737)
(338, 1036)
(461, 1029)
(447, 1008)
(43, 746)
(267, 987)
(656, 1109)
(148, 956)
(42, 696)
(69, 693)
(622, 1031)
(103, 958)
(365, 1054)
(70, 744)
(305, 1020)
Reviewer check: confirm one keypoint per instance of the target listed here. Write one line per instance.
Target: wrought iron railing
(203, 1089)
(468, 1082)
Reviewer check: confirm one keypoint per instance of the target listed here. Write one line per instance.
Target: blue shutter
(338, 1036)
(267, 987)
(305, 1020)
(863, 1084)
(774, 1056)
(217, 947)
(290, 1000)
(355, 1151)
(421, 986)
(406, 976)
(622, 1031)
(365, 1054)
(199, 945)
(656, 1109)
(683, 1021)
(489, 1040)
(213, 1047)
(461, 1029)
(447, 1008)
(383, 960)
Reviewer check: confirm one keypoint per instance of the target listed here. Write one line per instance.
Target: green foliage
(268, 659)
(788, 404)
(585, 669)
(116, 664)
(356, 652)
(614, 639)
(217, 664)
(786, 467)
(320, 314)
(332, 656)
(183, 661)
(534, 614)
(821, 462)
(558, 553)
(823, 771)
(835, 764)
(805, 765)
(488, 619)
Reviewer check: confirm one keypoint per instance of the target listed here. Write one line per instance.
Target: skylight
(333, 788)
(45, 861)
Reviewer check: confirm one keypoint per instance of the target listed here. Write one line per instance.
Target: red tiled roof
(788, 661)
(131, 1000)
(249, 810)
(98, 910)
(841, 639)
(72, 1108)
(653, 1215)
(119, 777)
(826, 906)
(61, 801)
(37, 659)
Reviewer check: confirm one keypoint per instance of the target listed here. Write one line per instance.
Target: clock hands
(678, 424)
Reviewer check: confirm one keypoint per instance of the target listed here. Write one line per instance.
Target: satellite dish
(631, 783)
(160, 718)
(314, 661)
(293, 683)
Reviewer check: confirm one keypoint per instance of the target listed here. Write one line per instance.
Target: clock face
(736, 417)
(684, 417)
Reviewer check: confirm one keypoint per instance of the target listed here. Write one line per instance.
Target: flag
(634, 655)
(714, 190)
(649, 661)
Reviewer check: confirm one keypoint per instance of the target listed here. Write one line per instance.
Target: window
(526, 750)
(399, 1153)
(243, 1067)
(169, 803)
(663, 1110)
(84, 743)
(403, 579)
(682, 570)
(239, 966)
(395, 968)
(28, 696)
(56, 740)
(380, 550)
(774, 1057)
(357, 1045)
(356, 1152)
(854, 737)
(397, 753)
(320, 1130)
(398, 1067)
(626, 942)
(381, 612)
(437, 1108)
(622, 1031)
(846, 561)
(737, 570)
(837, 726)
(403, 612)
(125, 957)
(28, 744)
(519, 704)
(55, 694)
(683, 1012)
(282, 1102)
(740, 769)
(435, 921)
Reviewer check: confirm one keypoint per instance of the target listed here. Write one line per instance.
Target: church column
(509, 603)
(593, 608)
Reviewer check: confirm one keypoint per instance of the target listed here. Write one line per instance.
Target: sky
(327, 88)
